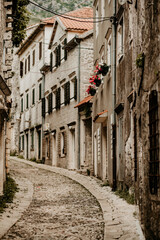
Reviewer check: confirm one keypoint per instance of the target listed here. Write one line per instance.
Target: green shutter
(59, 55)
(65, 94)
(40, 91)
(27, 104)
(33, 96)
(21, 69)
(56, 55)
(21, 104)
(68, 92)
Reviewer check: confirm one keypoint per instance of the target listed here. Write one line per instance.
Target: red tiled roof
(85, 100)
(99, 114)
(79, 24)
(48, 20)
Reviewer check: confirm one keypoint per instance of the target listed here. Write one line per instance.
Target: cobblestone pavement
(60, 208)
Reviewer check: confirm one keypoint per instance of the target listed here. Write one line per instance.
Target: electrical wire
(67, 16)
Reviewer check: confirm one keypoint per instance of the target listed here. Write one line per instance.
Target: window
(40, 91)
(27, 101)
(154, 172)
(40, 50)
(22, 104)
(50, 100)
(120, 49)
(32, 139)
(67, 93)
(21, 69)
(58, 98)
(33, 96)
(109, 51)
(28, 63)
(62, 143)
(43, 107)
(33, 58)
(58, 55)
(65, 50)
(25, 66)
(23, 142)
(51, 61)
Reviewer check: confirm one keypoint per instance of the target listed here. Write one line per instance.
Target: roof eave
(4, 88)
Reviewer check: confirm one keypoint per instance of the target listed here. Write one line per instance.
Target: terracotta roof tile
(83, 24)
(85, 100)
(48, 20)
(99, 114)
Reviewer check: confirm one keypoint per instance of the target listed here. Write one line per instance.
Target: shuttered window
(154, 171)
(58, 98)
(29, 63)
(27, 101)
(40, 50)
(50, 100)
(43, 107)
(25, 66)
(51, 61)
(33, 57)
(59, 54)
(21, 69)
(65, 50)
(40, 91)
(75, 89)
(23, 142)
(67, 93)
(21, 104)
(56, 56)
(32, 140)
(33, 96)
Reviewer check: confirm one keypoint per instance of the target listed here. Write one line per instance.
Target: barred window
(154, 174)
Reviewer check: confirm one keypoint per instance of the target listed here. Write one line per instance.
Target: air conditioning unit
(46, 127)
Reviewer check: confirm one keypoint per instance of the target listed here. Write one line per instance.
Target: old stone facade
(5, 77)
(130, 95)
(65, 84)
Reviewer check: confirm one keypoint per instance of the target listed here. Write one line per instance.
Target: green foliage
(10, 188)
(125, 195)
(21, 157)
(140, 60)
(20, 21)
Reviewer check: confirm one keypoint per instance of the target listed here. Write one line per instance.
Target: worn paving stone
(61, 209)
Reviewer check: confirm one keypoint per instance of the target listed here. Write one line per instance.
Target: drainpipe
(79, 76)
(43, 90)
(114, 29)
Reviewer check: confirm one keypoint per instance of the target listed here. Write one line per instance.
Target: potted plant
(95, 80)
(91, 90)
(102, 69)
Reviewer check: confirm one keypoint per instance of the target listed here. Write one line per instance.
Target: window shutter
(33, 96)
(68, 92)
(43, 107)
(33, 57)
(25, 66)
(27, 101)
(40, 50)
(28, 63)
(75, 89)
(40, 91)
(21, 104)
(65, 142)
(56, 55)
(51, 61)
(58, 98)
(50, 103)
(65, 50)
(21, 69)
(65, 94)
(19, 143)
(59, 143)
(59, 55)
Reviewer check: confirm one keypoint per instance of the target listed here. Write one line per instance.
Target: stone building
(129, 93)
(65, 135)
(33, 54)
(5, 77)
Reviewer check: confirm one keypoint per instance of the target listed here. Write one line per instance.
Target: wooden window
(32, 140)
(75, 89)
(43, 107)
(67, 93)
(33, 57)
(40, 91)
(33, 96)
(50, 100)
(23, 142)
(56, 57)
(27, 101)
(59, 54)
(22, 104)
(58, 98)
(154, 172)
(25, 66)
(65, 50)
(21, 69)
(51, 61)
(29, 63)
(40, 50)
(19, 143)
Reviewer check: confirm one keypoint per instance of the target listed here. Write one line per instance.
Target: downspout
(114, 29)
(43, 121)
(79, 76)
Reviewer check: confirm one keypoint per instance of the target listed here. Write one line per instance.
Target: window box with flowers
(102, 69)
(91, 90)
(95, 80)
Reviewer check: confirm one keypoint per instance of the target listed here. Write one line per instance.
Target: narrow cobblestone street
(57, 207)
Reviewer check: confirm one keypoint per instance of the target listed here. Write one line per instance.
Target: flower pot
(97, 82)
(105, 69)
(93, 92)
